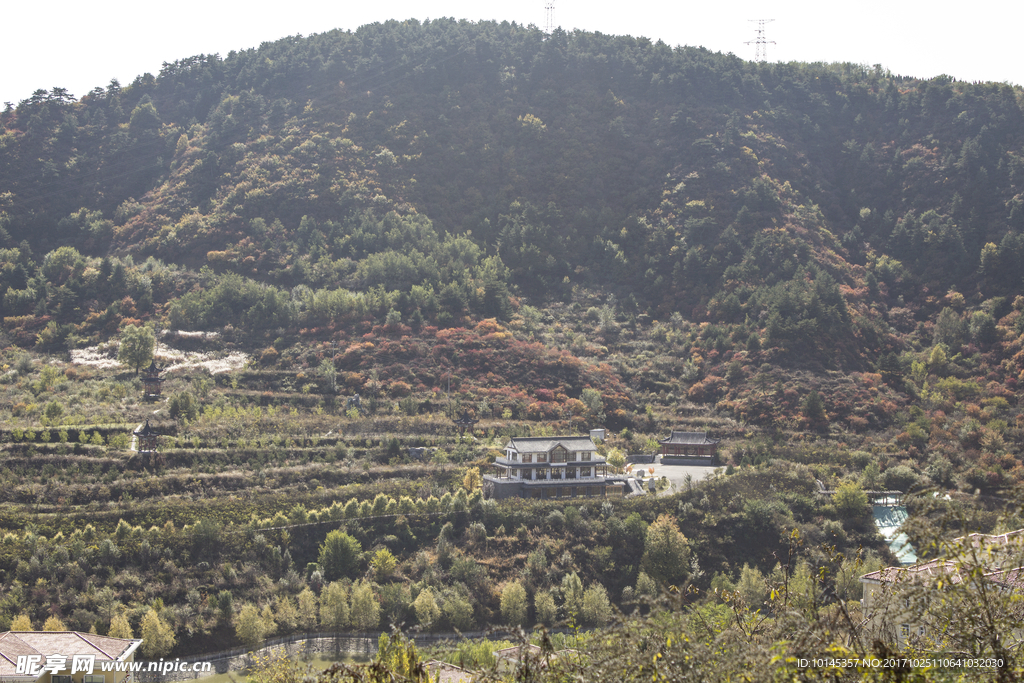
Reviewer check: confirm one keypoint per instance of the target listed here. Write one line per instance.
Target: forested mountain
(820, 263)
(405, 153)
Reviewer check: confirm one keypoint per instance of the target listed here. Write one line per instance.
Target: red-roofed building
(897, 599)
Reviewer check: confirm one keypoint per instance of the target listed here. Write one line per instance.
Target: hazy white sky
(80, 45)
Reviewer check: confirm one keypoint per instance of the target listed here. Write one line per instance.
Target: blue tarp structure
(888, 520)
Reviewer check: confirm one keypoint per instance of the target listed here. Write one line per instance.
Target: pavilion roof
(688, 439)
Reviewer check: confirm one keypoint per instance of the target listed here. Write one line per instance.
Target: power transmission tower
(549, 16)
(761, 50)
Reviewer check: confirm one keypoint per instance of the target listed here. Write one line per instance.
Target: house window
(542, 457)
(920, 631)
(586, 456)
(905, 630)
(584, 471)
(60, 679)
(92, 678)
(527, 458)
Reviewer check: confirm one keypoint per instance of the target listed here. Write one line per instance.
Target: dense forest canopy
(674, 178)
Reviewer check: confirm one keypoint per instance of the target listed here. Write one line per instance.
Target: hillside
(820, 263)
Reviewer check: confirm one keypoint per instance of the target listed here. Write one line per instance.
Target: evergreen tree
(339, 555)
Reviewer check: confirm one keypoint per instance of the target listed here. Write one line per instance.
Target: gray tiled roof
(544, 444)
(689, 439)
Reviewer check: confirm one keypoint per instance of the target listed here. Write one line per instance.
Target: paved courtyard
(676, 474)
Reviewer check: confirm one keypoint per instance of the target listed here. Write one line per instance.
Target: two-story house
(551, 467)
